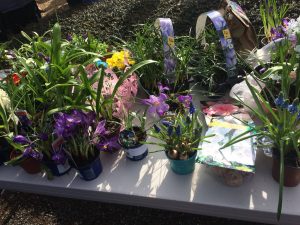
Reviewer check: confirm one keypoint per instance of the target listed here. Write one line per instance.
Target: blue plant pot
(183, 167)
(58, 170)
(90, 171)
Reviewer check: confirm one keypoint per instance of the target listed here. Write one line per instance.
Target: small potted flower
(112, 87)
(133, 137)
(79, 131)
(180, 136)
(26, 154)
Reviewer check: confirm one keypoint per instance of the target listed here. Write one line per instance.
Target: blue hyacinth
(279, 101)
(170, 130)
(166, 123)
(192, 108)
(293, 108)
(178, 130)
(156, 128)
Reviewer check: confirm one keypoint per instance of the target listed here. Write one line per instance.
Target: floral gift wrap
(233, 163)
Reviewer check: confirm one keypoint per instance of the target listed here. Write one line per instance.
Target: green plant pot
(183, 167)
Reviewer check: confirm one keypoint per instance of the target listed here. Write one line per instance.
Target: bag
(242, 31)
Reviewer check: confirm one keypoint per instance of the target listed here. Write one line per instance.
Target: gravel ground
(109, 18)
(30, 209)
(106, 19)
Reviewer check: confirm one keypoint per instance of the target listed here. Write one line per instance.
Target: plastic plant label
(222, 28)
(57, 144)
(63, 168)
(167, 32)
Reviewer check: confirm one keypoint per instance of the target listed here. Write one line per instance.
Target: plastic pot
(30, 165)
(91, 170)
(183, 167)
(291, 174)
(134, 150)
(58, 169)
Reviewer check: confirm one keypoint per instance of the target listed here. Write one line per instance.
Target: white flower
(4, 100)
(293, 26)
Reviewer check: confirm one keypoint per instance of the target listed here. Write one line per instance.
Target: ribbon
(167, 32)
(225, 38)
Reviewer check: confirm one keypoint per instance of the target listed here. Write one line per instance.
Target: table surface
(151, 183)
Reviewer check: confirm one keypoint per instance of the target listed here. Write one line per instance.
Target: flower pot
(134, 150)
(30, 165)
(291, 173)
(183, 167)
(58, 169)
(91, 170)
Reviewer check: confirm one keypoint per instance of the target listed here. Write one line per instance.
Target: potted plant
(112, 87)
(148, 44)
(281, 126)
(133, 137)
(79, 131)
(180, 136)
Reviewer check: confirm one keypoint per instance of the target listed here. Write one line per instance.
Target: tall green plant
(272, 13)
(281, 125)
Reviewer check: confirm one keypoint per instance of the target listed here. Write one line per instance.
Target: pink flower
(221, 110)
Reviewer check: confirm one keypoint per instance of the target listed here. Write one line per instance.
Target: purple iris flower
(59, 158)
(108, 144)
(298, 116)
(69, 38)
(29, 152)
(185, 100)
(162, 88)
(20, 139)
(285, 22)
(277, 33)
(157, 104)
(100, 129)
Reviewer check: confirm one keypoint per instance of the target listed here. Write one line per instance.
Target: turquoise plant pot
(183, 167)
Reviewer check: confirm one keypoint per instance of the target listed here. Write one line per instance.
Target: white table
(151, 183)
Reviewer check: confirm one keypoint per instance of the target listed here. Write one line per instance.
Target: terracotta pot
(291, 174)
(30, 165)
